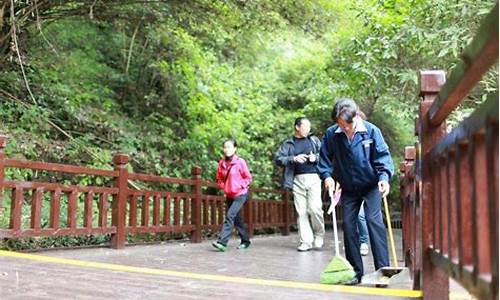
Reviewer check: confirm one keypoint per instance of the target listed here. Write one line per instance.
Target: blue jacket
(357, 166)
(284, 158)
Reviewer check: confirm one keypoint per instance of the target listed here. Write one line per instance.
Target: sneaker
(219, 246)
(243, 246)
(318, 242)
(363, 249)
(303, 247)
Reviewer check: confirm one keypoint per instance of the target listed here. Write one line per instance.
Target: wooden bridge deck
(270, 269)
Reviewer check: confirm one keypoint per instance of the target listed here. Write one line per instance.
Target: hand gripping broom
(339, 270)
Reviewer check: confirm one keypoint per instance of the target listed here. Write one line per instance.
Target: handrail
(484, 114)
(52, 167)
(183, 208)
(449, 193)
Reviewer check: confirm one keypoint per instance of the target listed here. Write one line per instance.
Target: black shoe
(353, 281)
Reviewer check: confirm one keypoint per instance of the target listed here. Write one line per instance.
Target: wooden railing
(449, 184)
(176, 205)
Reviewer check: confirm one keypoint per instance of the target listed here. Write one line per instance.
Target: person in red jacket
(234, 178)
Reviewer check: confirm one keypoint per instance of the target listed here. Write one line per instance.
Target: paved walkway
(270, 269)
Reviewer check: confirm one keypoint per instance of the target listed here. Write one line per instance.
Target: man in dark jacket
(299, 157)
(354, 154)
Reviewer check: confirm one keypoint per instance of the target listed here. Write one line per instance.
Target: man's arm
(382, 162)
(325, 166)
(317, 147)
(281, 157)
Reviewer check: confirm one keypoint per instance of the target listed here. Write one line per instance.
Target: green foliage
(167, 82)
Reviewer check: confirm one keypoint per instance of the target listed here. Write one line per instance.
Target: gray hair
(345, 109)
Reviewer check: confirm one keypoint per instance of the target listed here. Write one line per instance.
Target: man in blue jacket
(299, 157)
(354, 154)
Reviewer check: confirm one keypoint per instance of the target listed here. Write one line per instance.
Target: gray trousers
(233, 219)
(307, 200)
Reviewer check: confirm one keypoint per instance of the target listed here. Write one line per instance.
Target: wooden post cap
(120, 159)
(3, 141)
(431, 81)
(410, 153)
(196, 170)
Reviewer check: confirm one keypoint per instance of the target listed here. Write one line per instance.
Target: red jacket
(239, 178)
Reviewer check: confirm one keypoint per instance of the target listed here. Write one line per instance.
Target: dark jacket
(358, 166)
(284, 158)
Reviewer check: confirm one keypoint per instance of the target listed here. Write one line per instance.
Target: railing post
(407, 196)
(120, 201)
(435, 282)
(286, 213)
(250, 225)
(196, 205)
(3, 143)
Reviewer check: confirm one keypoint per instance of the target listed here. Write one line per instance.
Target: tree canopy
(167, 81)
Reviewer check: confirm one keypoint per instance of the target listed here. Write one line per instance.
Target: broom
(339, 270)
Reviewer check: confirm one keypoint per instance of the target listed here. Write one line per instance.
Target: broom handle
(391, 237)
(335, 233)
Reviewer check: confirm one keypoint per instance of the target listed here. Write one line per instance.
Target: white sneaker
(363, 249)
(303, 247)
(318, 242)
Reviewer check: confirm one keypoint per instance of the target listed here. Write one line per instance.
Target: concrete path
(270, 269)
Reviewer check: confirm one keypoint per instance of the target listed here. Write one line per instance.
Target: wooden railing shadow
(449, 181)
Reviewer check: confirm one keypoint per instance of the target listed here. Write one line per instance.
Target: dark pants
(233, 218)
(351, 202)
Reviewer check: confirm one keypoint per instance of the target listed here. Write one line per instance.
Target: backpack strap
(227, 174)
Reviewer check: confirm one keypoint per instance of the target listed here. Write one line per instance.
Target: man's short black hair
(233, 141)
(345, 109)
(299, 120)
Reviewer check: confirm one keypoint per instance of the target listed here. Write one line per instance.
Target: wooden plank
(205, 212)
(16, 208)
(480, 287)
(166, 210)
(103, 210)
(145, 210)
(186, 209)
(146, 177)
(158, 229)
(156, 210)
(482, 230)
(64, 188)
(177, 211)
(220, 212)
(133, 211)
(452, 206)
(213, 212)
(3, 144)
(476, 122)
(492, 157)
(443, 202)
(36, 208)
(72, 207)
(465, 206)
(87, 210)
(477, 58)
(9, 233)
(36, 165)
(55, 207)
